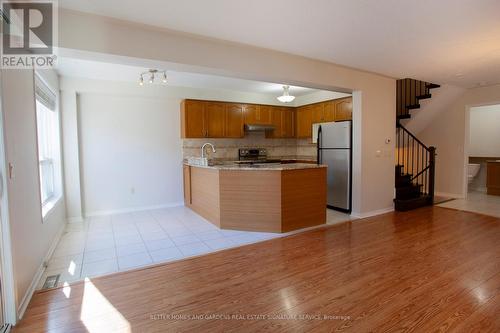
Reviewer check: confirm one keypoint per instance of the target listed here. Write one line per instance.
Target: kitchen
(126, 133)
(250, 187)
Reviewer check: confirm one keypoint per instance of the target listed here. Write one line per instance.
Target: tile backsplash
(228, 148)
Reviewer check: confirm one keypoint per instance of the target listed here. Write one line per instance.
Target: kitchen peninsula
(268, 198)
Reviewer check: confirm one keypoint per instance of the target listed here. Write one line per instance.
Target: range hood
(259, 128)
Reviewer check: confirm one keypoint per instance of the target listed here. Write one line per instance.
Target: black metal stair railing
(409, 92)
(415, 162)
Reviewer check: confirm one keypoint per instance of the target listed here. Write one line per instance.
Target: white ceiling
(443, 41)
(116, 72)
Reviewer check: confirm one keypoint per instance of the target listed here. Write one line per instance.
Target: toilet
(473, 171)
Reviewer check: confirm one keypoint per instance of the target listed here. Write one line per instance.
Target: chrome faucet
(203, 149)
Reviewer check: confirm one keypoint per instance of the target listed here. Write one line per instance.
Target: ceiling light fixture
(286, 97)
(152, 73)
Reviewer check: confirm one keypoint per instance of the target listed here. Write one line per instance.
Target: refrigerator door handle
(318, 143)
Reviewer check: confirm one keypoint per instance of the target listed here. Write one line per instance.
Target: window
(48, 144)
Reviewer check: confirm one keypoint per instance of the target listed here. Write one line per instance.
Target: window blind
(44, 94)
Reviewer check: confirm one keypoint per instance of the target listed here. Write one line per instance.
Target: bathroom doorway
(482, 157)
(483, 148)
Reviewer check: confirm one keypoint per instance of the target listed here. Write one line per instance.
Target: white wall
(449, 133)
(130, 152)
(485, 131)
(71, 155)
(31, 238)
(93, 37)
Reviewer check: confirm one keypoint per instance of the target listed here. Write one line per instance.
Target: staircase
(415, 162)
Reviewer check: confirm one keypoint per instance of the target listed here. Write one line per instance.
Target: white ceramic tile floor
(476, 202)
(108, 244)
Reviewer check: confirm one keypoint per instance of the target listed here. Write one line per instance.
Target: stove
(254, 156)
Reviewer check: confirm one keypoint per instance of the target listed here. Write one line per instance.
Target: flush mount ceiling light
(152, 76)
(286, 97)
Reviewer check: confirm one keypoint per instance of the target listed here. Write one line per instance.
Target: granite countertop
(260, 167)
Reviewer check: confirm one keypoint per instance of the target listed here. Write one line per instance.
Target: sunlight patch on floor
(98, 314)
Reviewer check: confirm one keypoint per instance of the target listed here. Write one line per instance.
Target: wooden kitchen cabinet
(304, 122)
(215, 114)
(329, 111)
(318, 113)
(193, 120)
(258, 114)
(288, 122)
(283, 120)
(343, 109)
(234, 121)
(207, 119)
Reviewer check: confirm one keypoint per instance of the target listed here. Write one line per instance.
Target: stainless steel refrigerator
(334, 141)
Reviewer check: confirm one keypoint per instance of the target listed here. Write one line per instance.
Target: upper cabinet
(234, 121)
(257, 114)
(318, 112)
(283, 119)
(193, 119)
(215, 114)
(329, 111)
(332, 110)
(343, 109)
(304, 121)
(206, 119)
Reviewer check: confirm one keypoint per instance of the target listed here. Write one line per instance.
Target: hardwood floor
(432, 269)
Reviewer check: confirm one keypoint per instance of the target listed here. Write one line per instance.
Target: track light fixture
(152, 76)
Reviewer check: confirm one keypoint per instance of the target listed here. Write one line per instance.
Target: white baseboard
(451, 195)
(76, 219)
(39, 273)
(133, 209)
(372, 213)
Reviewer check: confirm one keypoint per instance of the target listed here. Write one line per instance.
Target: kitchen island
(268, 198)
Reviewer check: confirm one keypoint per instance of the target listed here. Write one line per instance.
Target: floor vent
(51, 281)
